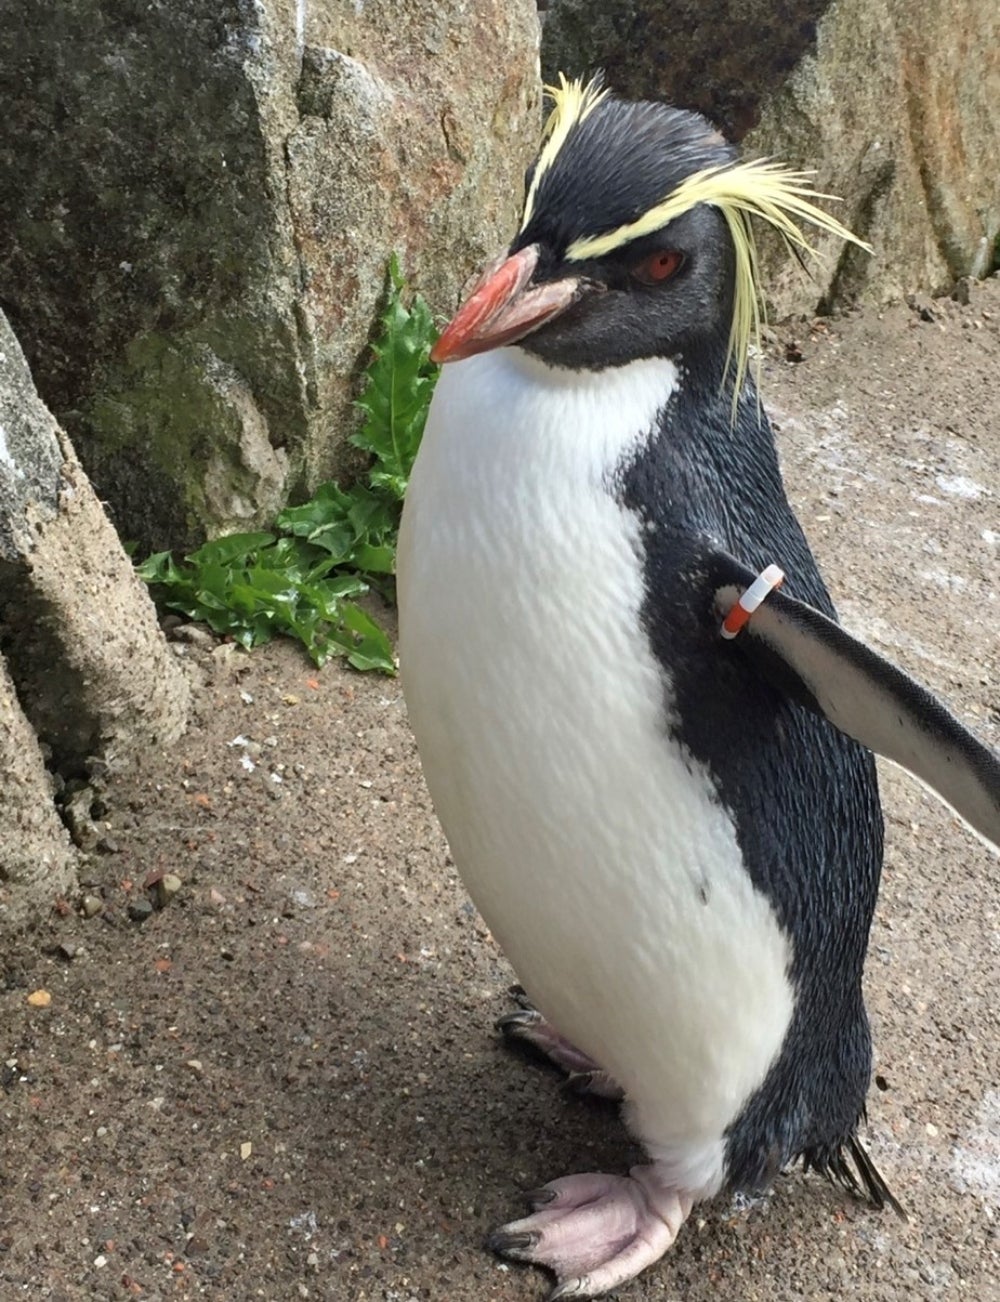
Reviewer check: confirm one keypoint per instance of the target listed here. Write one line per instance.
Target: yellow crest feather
(756, 188)
(572, 103)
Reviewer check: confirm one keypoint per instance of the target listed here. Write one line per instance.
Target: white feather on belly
(592, 843)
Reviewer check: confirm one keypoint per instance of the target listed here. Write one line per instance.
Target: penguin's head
(635, 241)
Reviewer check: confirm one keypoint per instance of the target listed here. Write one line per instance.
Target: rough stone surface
(77, 627)
(893, 102)
(95, 673)
(30, 457)
(200, 200)
(416, 124)
(721, 57)
(81, 655)
(37, 861)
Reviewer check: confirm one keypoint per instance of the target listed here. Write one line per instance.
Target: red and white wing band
(757, 593)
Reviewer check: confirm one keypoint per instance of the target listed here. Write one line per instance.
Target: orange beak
(501, 308)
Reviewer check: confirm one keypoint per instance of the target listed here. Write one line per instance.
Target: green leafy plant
(299, 578)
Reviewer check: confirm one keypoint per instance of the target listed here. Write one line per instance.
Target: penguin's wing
(813, 659)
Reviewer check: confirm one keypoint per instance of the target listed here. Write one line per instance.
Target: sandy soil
(284, 1084)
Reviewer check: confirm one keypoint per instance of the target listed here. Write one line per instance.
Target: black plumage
(804, 797)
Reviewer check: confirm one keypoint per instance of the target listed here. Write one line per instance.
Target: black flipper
(866, 697)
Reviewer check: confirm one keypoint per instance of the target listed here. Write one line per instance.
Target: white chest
(590, 841)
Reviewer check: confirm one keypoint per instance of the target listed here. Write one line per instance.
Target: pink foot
(596, 1231)
(583, 1075)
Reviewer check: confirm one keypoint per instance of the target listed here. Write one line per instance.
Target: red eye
(657, 267)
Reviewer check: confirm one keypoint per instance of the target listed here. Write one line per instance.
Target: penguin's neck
(513, 414)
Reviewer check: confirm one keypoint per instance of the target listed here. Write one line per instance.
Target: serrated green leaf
(376, 559)
(372, 649)
(347, 585)
(156, 568)
(400, 379)
(328, 503)
(394, 485)
(231, 547)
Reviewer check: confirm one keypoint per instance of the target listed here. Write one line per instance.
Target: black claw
(518, 1245)
(593, 1085)
(515, 1024)
(568, 1288)
(579, 1082)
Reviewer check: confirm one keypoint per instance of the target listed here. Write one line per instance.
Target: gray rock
(892, 101)
(167, 887)
(37, 861)
(92, 905)
(76, 813)
(30, 457)
(92, 670)
(86, 678)
(140, 910)
(201, 203)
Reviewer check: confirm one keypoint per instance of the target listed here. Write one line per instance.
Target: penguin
(651, 758)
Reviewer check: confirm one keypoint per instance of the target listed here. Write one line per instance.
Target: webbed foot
(596, 1231)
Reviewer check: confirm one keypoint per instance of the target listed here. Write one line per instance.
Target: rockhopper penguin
(675, 836)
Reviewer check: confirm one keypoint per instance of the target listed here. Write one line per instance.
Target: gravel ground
(284, 1084)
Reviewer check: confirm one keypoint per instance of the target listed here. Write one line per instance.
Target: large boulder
(86, 678)
(200, 198)
(37, 860)
(893, 102)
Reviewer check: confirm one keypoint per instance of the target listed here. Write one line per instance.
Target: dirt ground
(284, 1084)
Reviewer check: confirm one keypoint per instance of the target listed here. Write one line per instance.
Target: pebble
(924, 307)
(195, 634)
(167, 887)
(91, 905)
(960, 292)
(140, 910)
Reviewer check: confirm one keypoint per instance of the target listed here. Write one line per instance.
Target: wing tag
(758, 592)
